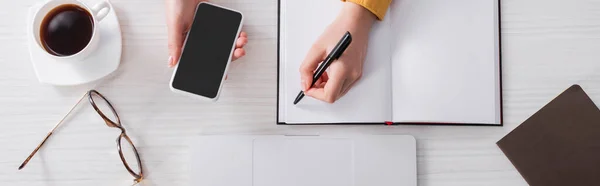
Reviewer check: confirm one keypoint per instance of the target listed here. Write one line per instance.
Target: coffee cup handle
(98, 10)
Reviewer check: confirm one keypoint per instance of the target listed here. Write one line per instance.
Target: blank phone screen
(207, 50)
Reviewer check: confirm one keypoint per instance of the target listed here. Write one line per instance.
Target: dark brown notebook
(560, 144)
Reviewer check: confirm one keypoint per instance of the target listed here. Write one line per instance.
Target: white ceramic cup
(98, 12)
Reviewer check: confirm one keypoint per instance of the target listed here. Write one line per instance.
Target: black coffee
(66, 30)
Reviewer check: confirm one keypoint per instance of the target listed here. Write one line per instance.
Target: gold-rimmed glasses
(108, 113)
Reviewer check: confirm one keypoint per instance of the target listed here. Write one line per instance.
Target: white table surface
(547, 46)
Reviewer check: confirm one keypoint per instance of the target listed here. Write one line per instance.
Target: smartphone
(207, 52)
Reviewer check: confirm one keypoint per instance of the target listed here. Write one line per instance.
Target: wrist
(357, 16)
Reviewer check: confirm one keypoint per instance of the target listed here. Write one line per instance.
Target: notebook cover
(560, 144)
(395, 123)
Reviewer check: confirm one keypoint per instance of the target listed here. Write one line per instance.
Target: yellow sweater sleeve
(377, 7)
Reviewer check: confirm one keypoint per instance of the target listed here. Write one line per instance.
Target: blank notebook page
(369, 100)
(445, 61)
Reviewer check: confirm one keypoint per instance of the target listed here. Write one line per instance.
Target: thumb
(175, 43)
(315, 56)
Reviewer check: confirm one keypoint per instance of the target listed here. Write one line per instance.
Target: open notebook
(428, 62)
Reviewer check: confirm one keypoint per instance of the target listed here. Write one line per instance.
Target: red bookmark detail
(388, 123)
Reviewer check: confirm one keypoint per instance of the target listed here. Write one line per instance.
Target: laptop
(280, 160)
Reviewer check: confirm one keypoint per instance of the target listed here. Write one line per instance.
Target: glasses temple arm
(50, 133)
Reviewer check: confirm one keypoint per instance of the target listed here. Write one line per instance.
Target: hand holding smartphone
(207, 51)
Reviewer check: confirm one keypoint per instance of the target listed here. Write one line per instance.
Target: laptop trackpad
(301, 162)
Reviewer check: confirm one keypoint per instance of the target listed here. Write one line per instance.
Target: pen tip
(21, 167)
(299, 97)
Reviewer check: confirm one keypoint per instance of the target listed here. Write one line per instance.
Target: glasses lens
(104, 107)
(129, 155)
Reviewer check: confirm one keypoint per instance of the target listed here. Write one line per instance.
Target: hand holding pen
(343, 73)
(337, 51)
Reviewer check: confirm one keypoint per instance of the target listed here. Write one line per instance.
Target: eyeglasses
(107, 112)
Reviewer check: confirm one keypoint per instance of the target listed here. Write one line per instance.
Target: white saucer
(98, 64)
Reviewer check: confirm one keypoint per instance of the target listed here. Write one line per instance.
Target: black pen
(334, 55)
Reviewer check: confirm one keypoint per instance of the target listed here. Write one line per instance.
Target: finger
(311, 61)
(241, 41)
(316, 92)
(329, 93)
(238, 53)
(175, 43)
(243, 34)
(333, 87)
(322, 79)
(319, 81)
(318, 85)
(325, 76)
(318, 88)
(321, 85)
